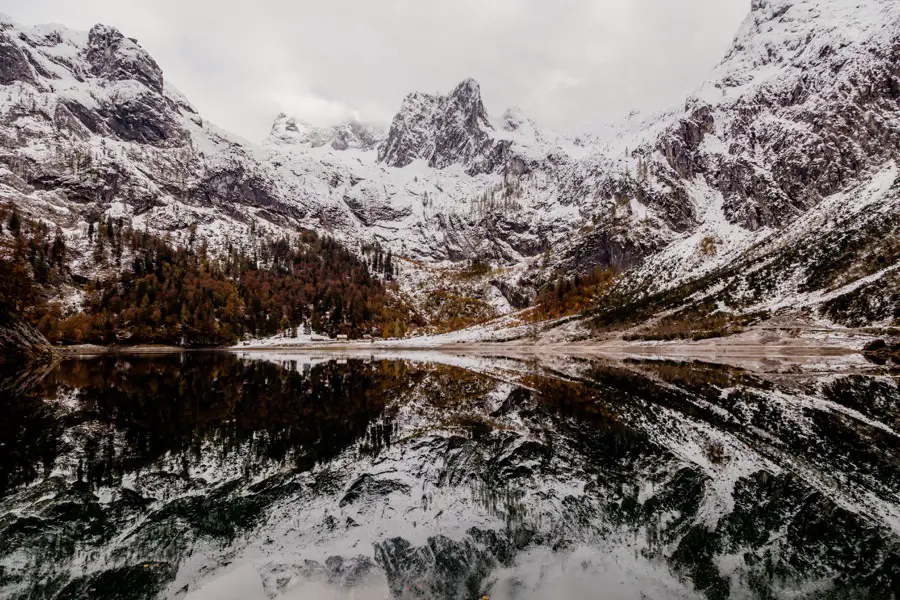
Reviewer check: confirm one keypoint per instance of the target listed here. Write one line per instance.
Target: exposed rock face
(22, 343)
(232, 187)
(443, 131)
(134, 113)
(607, 249)
(13, 62)
(143, 118)
(681, 144)
(114, 57)
(367, 203)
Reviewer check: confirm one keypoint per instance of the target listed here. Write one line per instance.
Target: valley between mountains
(457, 355)
(764, 209)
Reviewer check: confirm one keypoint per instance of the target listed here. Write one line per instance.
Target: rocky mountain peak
(800, 33)
(443, 131)
(117, 58)
(467, 103)
(468, 87)
(90, 83)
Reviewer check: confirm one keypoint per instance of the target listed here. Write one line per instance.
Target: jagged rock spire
(442, 130)
(115, 57)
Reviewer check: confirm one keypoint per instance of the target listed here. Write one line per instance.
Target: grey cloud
(569, 64)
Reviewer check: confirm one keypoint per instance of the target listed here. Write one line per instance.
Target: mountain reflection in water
(211, 475)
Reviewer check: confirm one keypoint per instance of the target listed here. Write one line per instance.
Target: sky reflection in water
(211, 475)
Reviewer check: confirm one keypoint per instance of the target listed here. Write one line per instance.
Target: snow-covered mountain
(91, 129)
(350, 134)
(802, 111)
(444, 131)
(787, 159)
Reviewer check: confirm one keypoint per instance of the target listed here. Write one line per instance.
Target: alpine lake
(255, 475)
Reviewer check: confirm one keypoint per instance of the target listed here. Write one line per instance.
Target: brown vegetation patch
(570, 296)
(709, 245)
(450, 311)
(698, 323)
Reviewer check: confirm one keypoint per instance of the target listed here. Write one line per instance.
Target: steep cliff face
(444, 131)
(804, 107)
(91, 130)
(114, 57)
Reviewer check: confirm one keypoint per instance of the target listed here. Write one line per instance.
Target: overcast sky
(569, 64)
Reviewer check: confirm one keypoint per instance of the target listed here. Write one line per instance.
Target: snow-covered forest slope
(775, 186)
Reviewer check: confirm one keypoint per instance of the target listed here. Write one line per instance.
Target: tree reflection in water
(130, 476)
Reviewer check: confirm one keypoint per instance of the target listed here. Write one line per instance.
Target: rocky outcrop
(114, 57)
(14, 65)
(234, 187)
(681, 144)
(140, 113)
(367, 204)
(21, 343)
(103, 188)
(608, 249)
(443, 131)
(144, 118)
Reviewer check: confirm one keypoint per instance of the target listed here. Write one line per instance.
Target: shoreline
(755, 350)
(557, 349)
(96, 350)
(680, 348)
(754, 358)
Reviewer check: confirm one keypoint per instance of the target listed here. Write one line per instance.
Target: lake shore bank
(754, 350)
(95, 349)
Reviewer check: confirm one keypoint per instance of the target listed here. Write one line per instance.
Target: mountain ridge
(785, 121)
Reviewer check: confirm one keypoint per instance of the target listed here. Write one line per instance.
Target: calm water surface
(218, 476)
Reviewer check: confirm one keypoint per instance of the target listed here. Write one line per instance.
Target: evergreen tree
(389, 265)
(100, 249)
(58, 251)
(15, 223)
